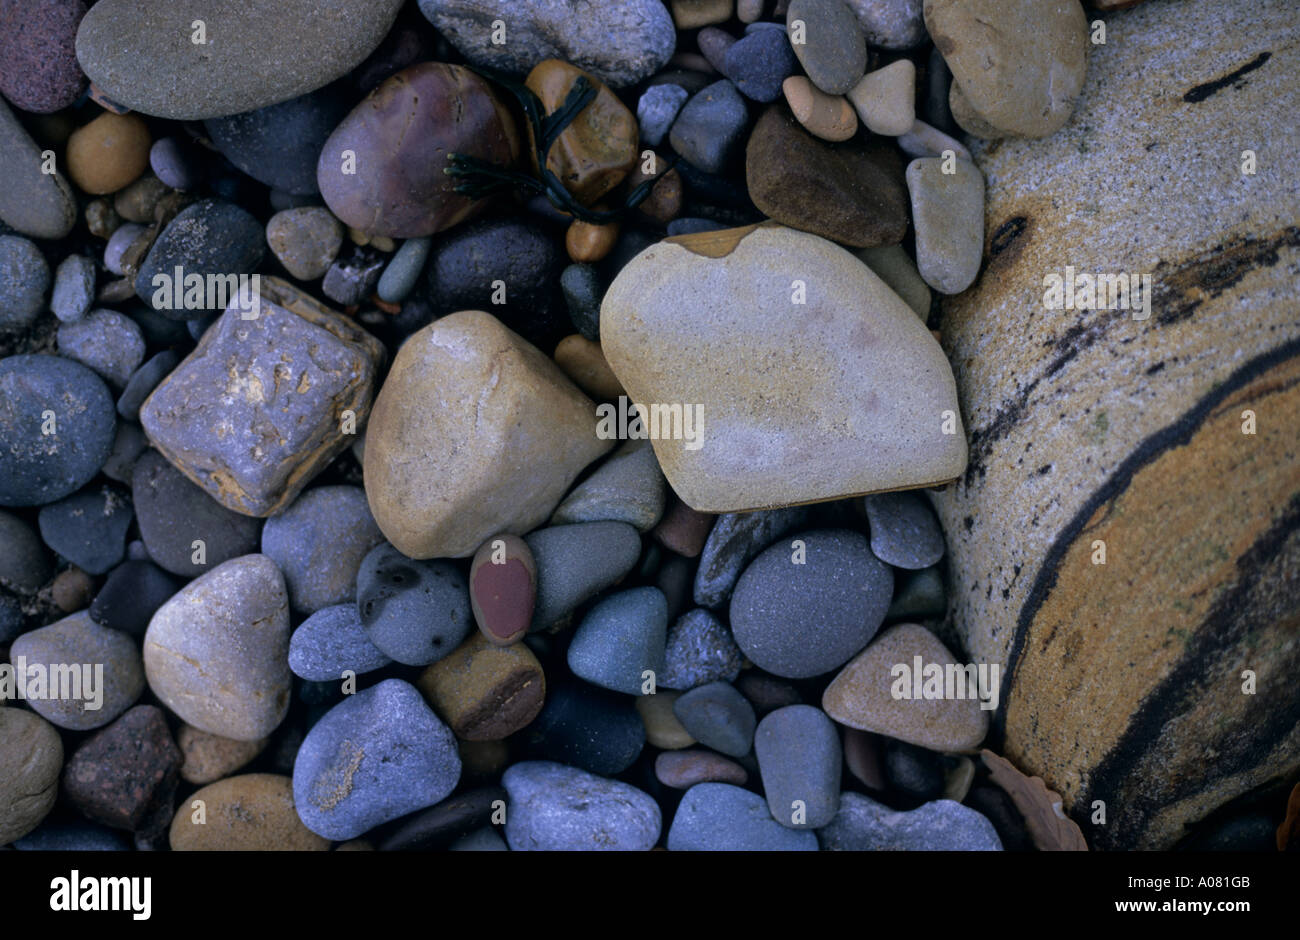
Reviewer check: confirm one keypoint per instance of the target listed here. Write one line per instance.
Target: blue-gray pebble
(799, 759)
(700, 650)
(719, 717)
(88, 528)
(620, 639)
(576, 562)
(734, 540)
(555, 808)
(24, 279)
(331, 641)
(863, 825)
(403, 271)
(711, 127)
(759, 63)
(719, 817)
(904, 530)
(415, 612)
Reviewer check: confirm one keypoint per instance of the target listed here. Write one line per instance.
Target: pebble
(620, 639)
(920, 595)
(913, 772)
(38, 468)
(829, 117)
(619, 43)
(143, 381)
(1020, 64)
(759, 63)
(682, 770)
(700, 650)
(351, 280)
(682, 530)
(378, 755)
(893, 266)
(719, 817)
(886, 98)
(662, 729)
(38, 58)
(300, 368)
(439, 825)
(575, 563)
(588, 727)
(260, 54)
(904, 530)
(557, 808)
(831, 49)
(863, 758)
(485, 692)
(108, 153)
(890, 24)
(718, 716)
(861, 695)
(656, 110)
(217, 652)
(992, 802)
(74, 288)
(967, 118)
(798, 752)
(122, 240)
(78, 640)
(305, 240)
(318, 542)
(134, 591)
(279, 145)
(748, 11)
(248, 813)
(88, 528)
(72, 835)
(24, 280)
(582, 291)
(139, 201)
(24, 563)
(499, 395)
(106, 341)
(206, 758)
(176, 164)
(863, 825)
(71, 590)
(403, 272)
(399, 137)
(948, 213)
(627, 487)
(32, 202)
(851, 193)
(415, 612)
(173, 513)
(926, 141)
(120, 774)
(503, 589)
(806, 605)
(710, 129)
(31, 757)
(587, 242)
(583, 362)
(734, 541)
(333, 641)
(128, 444)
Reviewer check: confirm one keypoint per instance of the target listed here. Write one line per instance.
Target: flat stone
(682, 770)
(575, 563)
(719, 817)
(621, 638)
(893, 266)
(31, 757)
(886, 98)
(24, 282)
(206, 758)
(719, 717)
(890, 24)
(948, 213)
(32, 202)
(863, 825)
(120, 773)
(305, 240)
(833, 50)
(248, 813)
(628, 487)
(38, 58)
(416, 612)
(88, 528)
(556, 808)
(332, 641)
(74, 288)
(485, 692)
(798, 752)
(711, 126)
(700, 650)
(503, 588)
(758, 63)
(279, 145)
(656, 110)
(587, 727)
(106, 341)
(904, 530)
(733, 542)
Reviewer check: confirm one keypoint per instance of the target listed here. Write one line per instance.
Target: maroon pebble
(38, 56)
(120, 774)
(503, 588)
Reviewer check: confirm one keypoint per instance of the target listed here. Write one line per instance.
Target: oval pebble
(485, 692)
(904, 530)
(620, 639)
(719, 717)
(278, 145)
(719, 817)
(88, 528)
(331, 641)
(415, 612)
(106, 341)
(557, 808)
(682, 770)
(31, 757)
(404, 270)
(207, 758)
(587, 727)
(143, 381)
(24, 279)
(576, 562)
(74, 288)
(503, 588)
(248, 813)
(798, 751)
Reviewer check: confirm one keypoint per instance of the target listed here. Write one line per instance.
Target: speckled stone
(863, 825)
(248, 813)
(711, 127)
(718, 817)
(24, 281)
(120, 774)
(890, 24)
(621, 638)
(682, 770)
(485, 692)
(587, 727)
(416, 612)
(904, 530)
(798, 752)
(719, 717)
(34, 203)
(557, 808)
(31, 756)
(657, 109)
(38, 59)
(305, 240)
(88, 528)
(734, 541)
(74, 288)
(330, 642)
(699, 650)
(628, 487)
(206, 758)
(576, 562)
(106, 341)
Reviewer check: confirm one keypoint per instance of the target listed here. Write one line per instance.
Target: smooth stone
(207, 758)
(121, 773)
(38, 468)
(24, 562)
(861, 695)
(619, 43)
(829, 117)
(399, 138)
(554, 808)
(692, 14)
(122, 240)
(71, 590)
(88, 528)
(378, 755)
(734, 541)
(682, 530)
(948, 214)
(890, 24)
(333, 641)
(627, 487)
(718, 716)
(913, 772)
(437, 826)
(833, 51)
(893, 266)
(576, 562)
(74, 288)
(24, 281)
(926, 141)
(710, 128)
(415, 612)
(31, 758)
(682, 770)
(108, 153)
(176, 164)
(403, 271)
(851, 193)
(173, 513)
(318, 542)
(503, 588)
(139, 201)
(803, 616)
(139, 53)
(262, 405)
(868, 418)
(1020, 64)
(863, 825)
(130, 597)
(920, 595)
(143, 381)
(886, 98)
(582, 291)
(128, 444)
(798, 753)
(217, 652)
(719, 817)
(79, 640)
(32, 202)
(758, 63)
(699, 650)
(862, 756)
(434, 477)
(656, 110)
(38, 58)
(662, 729)
(904, 530)
(248, 813)
(967, 118)
(279, 145)
(748, 11)
(485, 692)
(305, 240)
(620, 639)
(583, 362)
(106, 341)
(480, 840)
(588, 727)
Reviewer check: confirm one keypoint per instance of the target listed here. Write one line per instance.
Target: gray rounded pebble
(719, 817)
(143, 381)
(415, 612)
(403, 271)
(628, 487)
(556, 808)
(24, 562)
(759, 63)
(24, 279)
(621, 638)
(331, 641)
(700, 650)
(175, 164)
(863, 825)
(904, 530)
(891, 24)
(88, 528)
(74, 288)
(657, 110)
(123, 237)
(719, 717)
(734, 541)
(576, 562)
(799, 759)
(106, 341)
(711, 127)
(834, 50)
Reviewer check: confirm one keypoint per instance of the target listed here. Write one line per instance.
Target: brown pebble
(252, 812)
(72, 590)
(682, 770)
(390, 309)
(481, 761)
(101, 218)
(829, 117)
(114, 292)
(862, 757)
(583, 361)
(210, 757)
(108, 153)
(138, 201)
(662, 729)
(503, 588)
(485, 692)
(118, 774)
(766, 693)
(588, 242)
(683, 530)
(664, 201)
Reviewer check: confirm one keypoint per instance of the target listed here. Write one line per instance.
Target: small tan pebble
(358, 237)
(137, 202)
(114, 292)
(886, 98)
(72, 590)
(662, 729)
(583, 361)
(588, 243)
(252, 812)
(829, 117)
(102, 219)
(483, 760)
(207, 758)
(108, 153)
(691, 14)
(485, 692)
(383, 243)
(926, 141)
(968, 119)
(356, 845)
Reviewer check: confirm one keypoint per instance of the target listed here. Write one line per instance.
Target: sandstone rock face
(1092, 426)
(845, 393)
(475, 433)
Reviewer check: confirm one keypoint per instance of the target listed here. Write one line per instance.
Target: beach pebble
(122, 773)
(582, 289)
(587, 727)
(656, 110)
(351, 279)
(24, 281)
(557, 808)
(106, 341)
(88, 528)
(24, 562)
(279, 145)
(758, 63)
(700, 650)
(734, 541)
(248, 813)
(829, 117)
(863, 825)
(885, 99)
(711, 127)
(439, 825)
(717, 716)
(415, 612)
(206, 758)
(923, 140)
(503, 588)
(798, 752)
(403, 271)
(74, 288)
(904, 530)
(583, 362)
(131, 595)
(176, 163)
(620, 639)
(893, 266)
(576, 562)
(31, 757)
(662, 729)
(143, 381)
(830, 47)
(682, 770)
(305, 240)
(719, 817)
(948, 213)
(628, 487)
(108, 153)
(318, 542)
(128, 444)
(123, 240)
(682, 530)
(912, 772)
(920, 594)
(333, 641)
(890, 24)
(485, 692)
(38, 57)
(32, 202)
